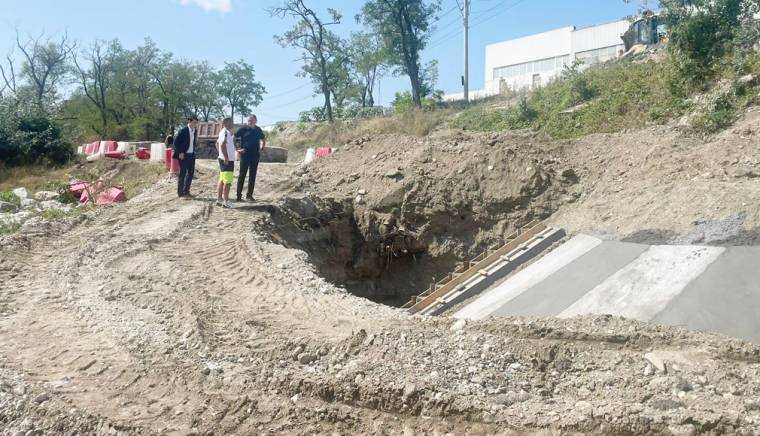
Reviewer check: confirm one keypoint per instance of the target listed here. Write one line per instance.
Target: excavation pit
(371, 256)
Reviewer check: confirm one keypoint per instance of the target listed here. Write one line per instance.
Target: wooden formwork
(475, 266)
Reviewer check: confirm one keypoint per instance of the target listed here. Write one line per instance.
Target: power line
(458, 32)
(291, 102)
(448, 24)
(515, 4)
(289, 91)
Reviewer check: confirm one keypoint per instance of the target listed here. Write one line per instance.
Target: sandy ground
(168, 316)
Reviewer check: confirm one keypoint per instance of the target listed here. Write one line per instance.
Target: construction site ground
(169, 316)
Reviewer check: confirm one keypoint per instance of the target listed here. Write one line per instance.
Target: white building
(534, 60)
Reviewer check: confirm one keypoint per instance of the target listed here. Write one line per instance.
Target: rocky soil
(167, 316)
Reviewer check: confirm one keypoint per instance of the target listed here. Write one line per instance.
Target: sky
(227, 30)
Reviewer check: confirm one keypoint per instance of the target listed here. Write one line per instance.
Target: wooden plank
(536, 227)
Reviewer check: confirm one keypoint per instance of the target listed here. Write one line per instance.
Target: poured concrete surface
(502, 293)
(702, 288)
(645, 286)
(560, 290)
(725, 299)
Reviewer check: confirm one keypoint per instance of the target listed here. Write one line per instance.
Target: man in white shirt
(225, 145)
(184, 151)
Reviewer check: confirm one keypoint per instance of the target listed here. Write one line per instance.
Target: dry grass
(33, 178)
(133, 176)
(414, 123)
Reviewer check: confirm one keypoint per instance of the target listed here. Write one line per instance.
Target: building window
(530, 68)
(591, 57)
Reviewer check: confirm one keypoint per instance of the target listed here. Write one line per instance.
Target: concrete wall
(604, 35)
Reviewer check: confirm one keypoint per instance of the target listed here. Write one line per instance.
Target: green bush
(10, 197)
(703, 33)
(579, 89)
(482, 119)
(403, 102)
(616, 96)
(721, 113)
(32, 139)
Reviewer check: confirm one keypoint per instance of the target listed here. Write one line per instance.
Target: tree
(367, 61)
(205, 101)
(237, 85)
(173, 90)
(96, 81)
(44, 65)
(323, 56)
(8, 73)
(404, 26)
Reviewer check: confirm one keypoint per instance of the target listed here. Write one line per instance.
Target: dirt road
(170, 316)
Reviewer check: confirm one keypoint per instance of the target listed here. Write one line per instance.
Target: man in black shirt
(252, 141)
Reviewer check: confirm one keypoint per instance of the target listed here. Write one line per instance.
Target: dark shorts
(226, 167)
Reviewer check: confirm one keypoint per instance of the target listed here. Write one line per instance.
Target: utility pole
(466, 78)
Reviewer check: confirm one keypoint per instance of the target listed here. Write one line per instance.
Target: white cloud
(210, 5)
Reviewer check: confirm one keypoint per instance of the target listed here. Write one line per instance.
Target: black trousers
(186, 172)
(248, 164)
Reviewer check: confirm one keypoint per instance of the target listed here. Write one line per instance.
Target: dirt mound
(659, 180)
(401, 211)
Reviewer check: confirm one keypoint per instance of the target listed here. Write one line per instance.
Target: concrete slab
(646, 286)
(563, 288)
(496, 272)
(501, 294)
(726, 298)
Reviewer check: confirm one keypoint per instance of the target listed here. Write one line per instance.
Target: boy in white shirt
(225, 145)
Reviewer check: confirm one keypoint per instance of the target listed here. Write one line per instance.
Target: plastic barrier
(109, 146)
(126, 148)
(101, 148)
(130, 148)
(107, 196)
(168, 158)
(142, 153)
(78, 187)
(310, 155)
(92, 147)
(116, 154)
(172, 165)
(324, 151)
(158, 152)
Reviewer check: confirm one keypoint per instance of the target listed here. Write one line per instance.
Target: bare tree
(8, 73)
(44, 65)
(321, 47)
(96, 80)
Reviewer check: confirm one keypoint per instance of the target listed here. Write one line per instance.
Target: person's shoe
(238, 200)
(226, 205)
(249, 199)
(219, 202)
(188, 195)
